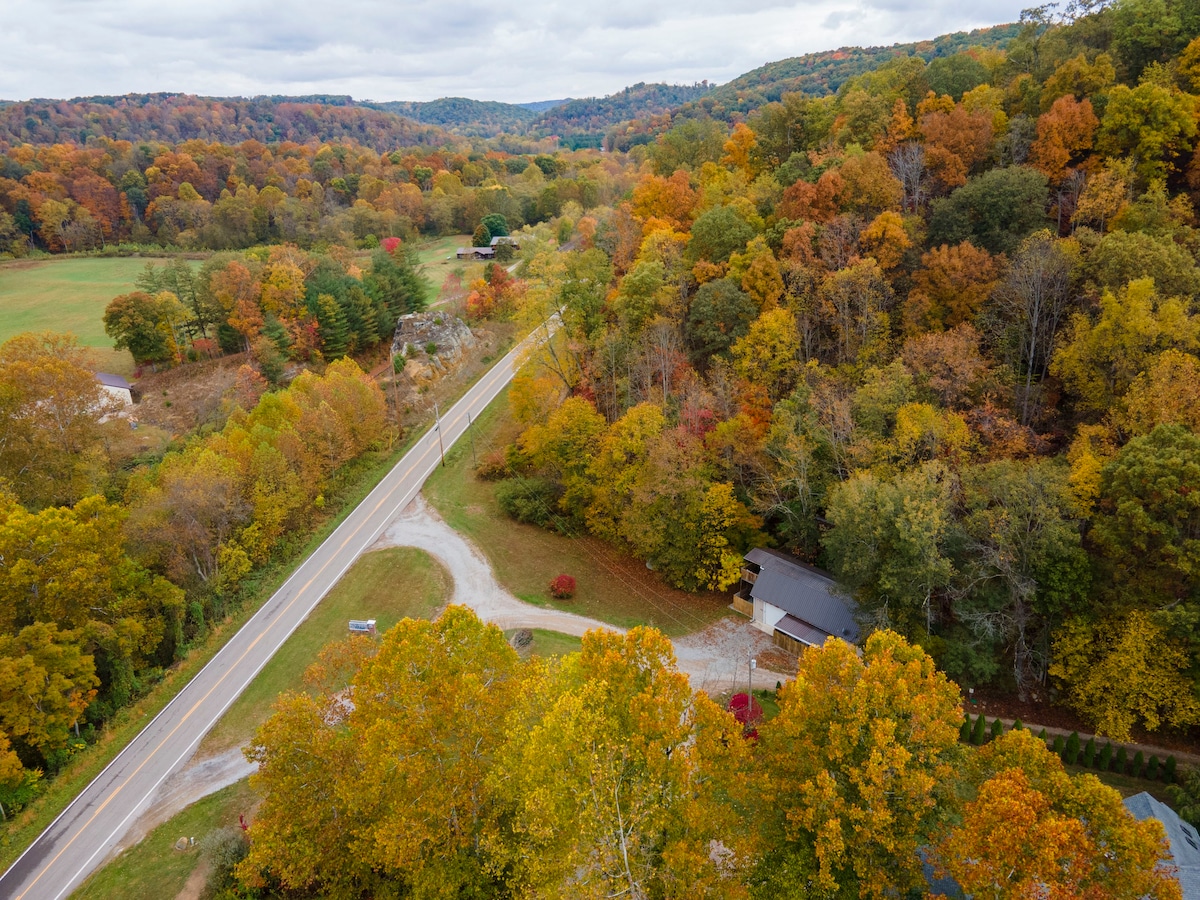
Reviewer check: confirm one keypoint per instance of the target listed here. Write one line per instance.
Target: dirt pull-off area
(197, 779)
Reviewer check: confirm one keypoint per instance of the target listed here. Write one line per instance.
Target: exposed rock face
(417, 331)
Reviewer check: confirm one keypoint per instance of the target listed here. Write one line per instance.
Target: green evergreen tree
(1139, 763)
(1017, 725)
(1089, 753)
(1121, 766)
(979, 733)
(997, 729)
(1169, 769)
(1104, 759)
(964, 732)
(1070, 753)
(1042, 735)
(1152, 768)
(496, 224)
(393, 280)
(1057, 748)
(331, 325)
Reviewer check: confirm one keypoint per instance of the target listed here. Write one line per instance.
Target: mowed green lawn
(437, 262)
(385, 585)
(68, 295)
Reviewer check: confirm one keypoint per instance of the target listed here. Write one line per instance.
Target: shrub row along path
(714, 658)
(88, 830)
(1192, 759)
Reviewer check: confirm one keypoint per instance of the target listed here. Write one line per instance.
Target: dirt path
(715, 658)
(196, 883)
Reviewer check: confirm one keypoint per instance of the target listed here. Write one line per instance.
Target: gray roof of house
(805, 593)
(801, 631)
(114, 381)
(1184, 839)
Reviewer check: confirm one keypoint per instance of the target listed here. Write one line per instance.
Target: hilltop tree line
(437, 763)
(944, 343)
(205, 195)
(176, 118)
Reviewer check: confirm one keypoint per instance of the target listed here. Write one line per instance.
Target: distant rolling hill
(825, 72)
(594, 115)
(472, 118)
(386, 125)
(180, 117)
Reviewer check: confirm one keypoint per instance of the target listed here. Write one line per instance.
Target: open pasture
(68, 295)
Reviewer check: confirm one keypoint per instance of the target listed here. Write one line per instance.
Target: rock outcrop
(418, 333)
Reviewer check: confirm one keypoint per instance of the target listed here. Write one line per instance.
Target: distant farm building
(476, 253)
(116, 388)
(797, 604)
(505, 239)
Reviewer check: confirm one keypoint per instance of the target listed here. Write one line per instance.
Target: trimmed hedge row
(1074, 752)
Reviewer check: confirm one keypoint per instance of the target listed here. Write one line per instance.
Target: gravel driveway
(714, 658)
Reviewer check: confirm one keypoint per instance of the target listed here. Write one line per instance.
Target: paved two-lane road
(82, 837)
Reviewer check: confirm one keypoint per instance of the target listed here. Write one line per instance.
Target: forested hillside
(172, 118)
(937, 331)
(944, 343)
(208, 195)
(473, 118)
(595, 115)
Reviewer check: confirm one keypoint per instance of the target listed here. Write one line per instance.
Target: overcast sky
(510, 50)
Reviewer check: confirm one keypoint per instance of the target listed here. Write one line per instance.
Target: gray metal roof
(801, 631)
(114, 381)
(803, 592)
(1184, 840)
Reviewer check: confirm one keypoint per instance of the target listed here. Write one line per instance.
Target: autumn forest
(924, 316)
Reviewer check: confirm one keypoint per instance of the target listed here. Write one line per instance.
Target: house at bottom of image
(797, 604)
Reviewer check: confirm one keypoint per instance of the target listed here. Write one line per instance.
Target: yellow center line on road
(501, 375)
(300, 593)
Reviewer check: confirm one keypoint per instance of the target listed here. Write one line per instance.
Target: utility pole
(471, 434)
(437, 418)
(750, 687)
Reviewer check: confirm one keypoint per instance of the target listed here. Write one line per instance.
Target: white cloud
(420, 49)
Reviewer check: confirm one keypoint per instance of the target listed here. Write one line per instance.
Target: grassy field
(437, 261)
(385, 585)
(68, 295)
(154, 869)
(612, 587)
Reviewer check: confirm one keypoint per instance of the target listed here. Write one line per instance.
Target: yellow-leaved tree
(623, 781)
(862, 751)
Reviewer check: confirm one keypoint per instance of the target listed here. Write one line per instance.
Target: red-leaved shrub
(562, 587)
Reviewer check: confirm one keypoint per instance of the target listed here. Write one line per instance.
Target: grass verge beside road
(611, 586)
(386, 585)
(154, 868)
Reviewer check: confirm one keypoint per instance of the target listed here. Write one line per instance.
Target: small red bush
(562, 587)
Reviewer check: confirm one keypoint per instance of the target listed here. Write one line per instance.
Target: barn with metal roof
(797, 604)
